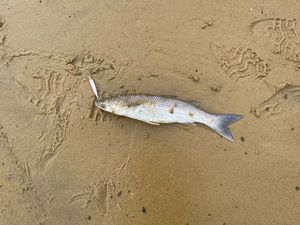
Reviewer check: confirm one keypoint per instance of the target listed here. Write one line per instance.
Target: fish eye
(103, 106)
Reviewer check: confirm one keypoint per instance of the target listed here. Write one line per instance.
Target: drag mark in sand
(97, 193)
(52, 93)
(18, 179)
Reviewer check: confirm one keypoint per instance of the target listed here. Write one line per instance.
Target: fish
(162, 109)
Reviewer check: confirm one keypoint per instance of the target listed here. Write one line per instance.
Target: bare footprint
(240, 62)
(283, 100)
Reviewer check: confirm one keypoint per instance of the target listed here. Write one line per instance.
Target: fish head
(108, 105)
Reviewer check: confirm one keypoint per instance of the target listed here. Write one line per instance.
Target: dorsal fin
(194, 102)
(170, 96)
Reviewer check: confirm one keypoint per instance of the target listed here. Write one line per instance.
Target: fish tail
(221, 123)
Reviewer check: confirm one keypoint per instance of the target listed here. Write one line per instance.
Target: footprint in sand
(281, 34)
(239, 62)
(285, 99)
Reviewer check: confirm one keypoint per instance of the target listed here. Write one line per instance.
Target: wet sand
(63, 161)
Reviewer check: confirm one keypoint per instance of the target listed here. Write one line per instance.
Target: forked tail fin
(220, 125)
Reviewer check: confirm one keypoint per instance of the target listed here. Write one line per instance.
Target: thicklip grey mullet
(154, 110)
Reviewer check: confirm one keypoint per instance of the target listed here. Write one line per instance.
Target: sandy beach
(64, 161)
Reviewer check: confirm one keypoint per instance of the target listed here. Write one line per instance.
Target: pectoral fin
(190, 124)
(152, 123)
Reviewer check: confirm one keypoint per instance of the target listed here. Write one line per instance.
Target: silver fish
(155, 110)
